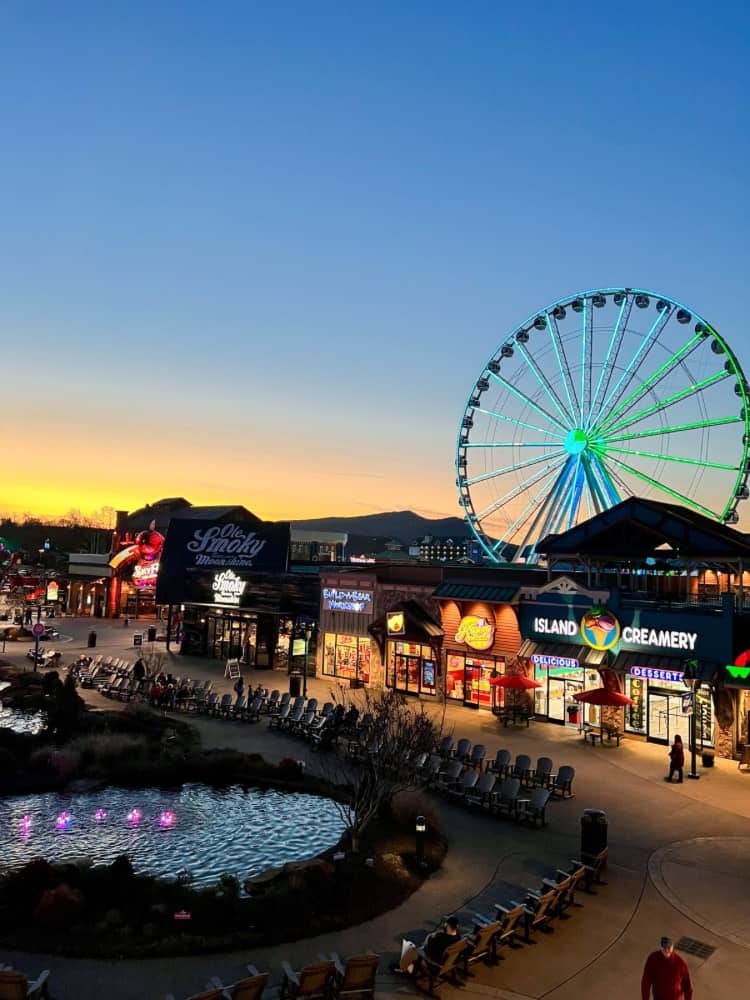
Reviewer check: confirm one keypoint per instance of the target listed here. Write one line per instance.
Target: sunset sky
(258, 253)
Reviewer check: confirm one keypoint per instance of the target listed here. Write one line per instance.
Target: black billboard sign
(202, 558)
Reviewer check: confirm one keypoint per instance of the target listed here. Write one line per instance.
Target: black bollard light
(420, 831)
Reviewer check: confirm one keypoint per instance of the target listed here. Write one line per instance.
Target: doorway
(665, 716)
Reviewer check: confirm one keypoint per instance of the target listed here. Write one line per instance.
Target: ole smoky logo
(599, 628)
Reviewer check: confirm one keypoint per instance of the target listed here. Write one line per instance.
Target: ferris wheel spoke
(568, 418)
(660, 456)
(653, 380)
(663, 488)
(556, 514)
(640, 355)
(587, 323)
(613, 352)
(676, 429)
(527, 463)
(529, 402)
(664, 404)
(511, 420)
(602, 475)
(507, 444)
(562, 362)
(524, 516)
(594, 491)
(519, 489)
(547, 511)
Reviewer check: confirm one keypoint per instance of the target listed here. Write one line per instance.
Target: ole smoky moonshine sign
(197, 552)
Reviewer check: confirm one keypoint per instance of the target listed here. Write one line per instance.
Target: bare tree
(378, 765)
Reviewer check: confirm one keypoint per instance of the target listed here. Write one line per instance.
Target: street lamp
(420, 831)
(690, 680)
(308, 635)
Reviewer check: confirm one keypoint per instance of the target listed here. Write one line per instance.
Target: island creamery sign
(600, 629)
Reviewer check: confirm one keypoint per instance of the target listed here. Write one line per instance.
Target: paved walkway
(679, 858)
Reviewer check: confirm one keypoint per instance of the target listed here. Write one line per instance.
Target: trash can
(151, 634)
(295, 685)
(92, 639)
(573, 714)
(593, 832)
(707, 758)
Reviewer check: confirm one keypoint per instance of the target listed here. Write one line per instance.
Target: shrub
(58, 907)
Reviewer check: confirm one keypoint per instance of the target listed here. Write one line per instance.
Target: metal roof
(476, 592)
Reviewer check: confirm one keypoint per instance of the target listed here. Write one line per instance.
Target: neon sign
(145, 574)
(347, 600)
(663, 638)
(552, 662)
(228, 588)
(655, 674)
(555, 626)
(600, 629)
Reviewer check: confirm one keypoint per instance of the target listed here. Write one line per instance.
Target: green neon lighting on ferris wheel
(512, 468)
(516, 423)
(655, 377)
(658, 431)
(672, 458)
(529, 402)
(676, 397)
(666, 489)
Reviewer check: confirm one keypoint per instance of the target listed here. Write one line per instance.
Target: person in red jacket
(667, 974)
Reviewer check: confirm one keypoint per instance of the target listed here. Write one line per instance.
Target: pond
(207, 832)
(21, 722)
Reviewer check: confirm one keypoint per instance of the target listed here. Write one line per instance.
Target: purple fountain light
(64, 820)
(100, 815)
(25, 825)
(134, 816)
(166, 819)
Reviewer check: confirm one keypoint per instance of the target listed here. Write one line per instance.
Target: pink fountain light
(134, 816)
(25, 825)
(64, 820)
(166, 819)
(100, 815)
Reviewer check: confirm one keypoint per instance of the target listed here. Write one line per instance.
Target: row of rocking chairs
(329, 978)
(512, 925)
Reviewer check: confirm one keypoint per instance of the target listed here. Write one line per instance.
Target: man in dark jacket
(434, 946)
(667, 974)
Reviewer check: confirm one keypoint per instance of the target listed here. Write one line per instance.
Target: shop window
(346, 656)
(635, 715)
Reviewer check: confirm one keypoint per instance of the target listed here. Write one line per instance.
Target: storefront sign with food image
(599, 628)
(476, 631)
(395, 623)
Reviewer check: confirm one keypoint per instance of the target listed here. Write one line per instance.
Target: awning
(585, 655)
(476, 592)
(418, 626)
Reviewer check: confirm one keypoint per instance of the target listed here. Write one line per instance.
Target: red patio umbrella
(601, 696)
(517, 682)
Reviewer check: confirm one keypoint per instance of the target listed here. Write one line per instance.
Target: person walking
(676, 759)
(667, 974)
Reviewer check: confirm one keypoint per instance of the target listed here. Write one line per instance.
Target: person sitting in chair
(434, 946)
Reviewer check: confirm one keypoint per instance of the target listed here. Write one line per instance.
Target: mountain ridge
(406, 525)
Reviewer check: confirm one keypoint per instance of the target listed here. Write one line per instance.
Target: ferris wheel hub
(576, 441)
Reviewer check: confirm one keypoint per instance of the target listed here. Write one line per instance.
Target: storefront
(229, 594)
(481, 639)
(346, 612)
(575, 638)
(411, 643)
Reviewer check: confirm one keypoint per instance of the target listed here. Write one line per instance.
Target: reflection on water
(209, 832)
(21, 722)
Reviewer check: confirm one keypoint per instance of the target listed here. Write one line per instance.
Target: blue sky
(264, 249)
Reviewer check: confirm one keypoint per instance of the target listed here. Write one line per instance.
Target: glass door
(665, 716)
(556, 700)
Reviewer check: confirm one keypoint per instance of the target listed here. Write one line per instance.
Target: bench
(514, 715)
(593, 733)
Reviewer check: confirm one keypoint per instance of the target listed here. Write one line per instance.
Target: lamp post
(691, 681)
(308, 635)
(420, 831)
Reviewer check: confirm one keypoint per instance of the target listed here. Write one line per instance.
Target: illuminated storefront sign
(655, 674)
(347, 600)
(599, 628)
(395, 623)
(228, 588)
(551, 662)
(145, 574)
(555, 626)
(663, 638)
(476, 631)
(53, 590)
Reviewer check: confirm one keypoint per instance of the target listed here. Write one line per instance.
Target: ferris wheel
(600, 396)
